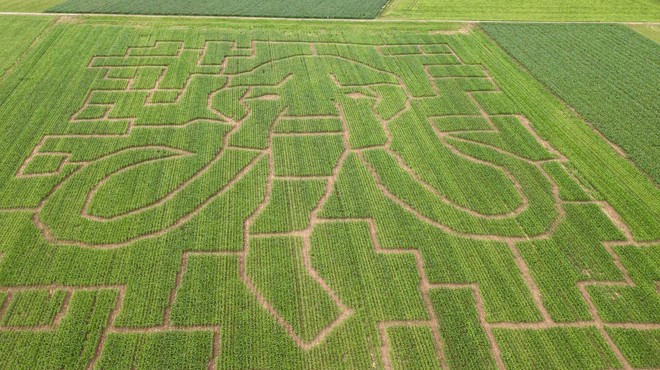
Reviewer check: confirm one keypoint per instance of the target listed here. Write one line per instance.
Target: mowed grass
(613, 78)
(650, 31)
(305, 195)
(525, 10)
(253, 8)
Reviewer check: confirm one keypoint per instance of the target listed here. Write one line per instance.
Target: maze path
(176, 49)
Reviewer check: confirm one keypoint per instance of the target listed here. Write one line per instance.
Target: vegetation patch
(613, 82)
(254, 8)
(220, 194)
(17, 35)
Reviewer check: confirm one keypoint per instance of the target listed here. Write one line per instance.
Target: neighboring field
(526, 10)
(16, 35)
(609, 74)
(230, 194)
(27, 5)
(254, 8)
(650, 31)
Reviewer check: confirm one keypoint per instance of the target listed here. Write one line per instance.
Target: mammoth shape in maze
(167, 130)
(247, 149)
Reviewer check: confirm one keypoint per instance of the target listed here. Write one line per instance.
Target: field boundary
(319, 20)
(38, 39)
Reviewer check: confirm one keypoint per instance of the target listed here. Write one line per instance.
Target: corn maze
(261, 203)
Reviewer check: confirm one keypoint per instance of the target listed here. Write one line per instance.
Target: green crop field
(207, 193)
(16, 37)
(254, 8)
(27, 5)
(614, 80)
(526, 10)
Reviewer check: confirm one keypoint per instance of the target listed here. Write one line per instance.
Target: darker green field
(16, 36)
(251, 8)
(609, 74)
(206, 193)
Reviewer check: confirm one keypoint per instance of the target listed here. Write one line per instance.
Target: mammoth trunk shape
(64, 218)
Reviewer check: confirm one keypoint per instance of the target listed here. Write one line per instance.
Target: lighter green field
(17, 34)
(232, 194)
(29, 6)
(650, 31)
(526, 10)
